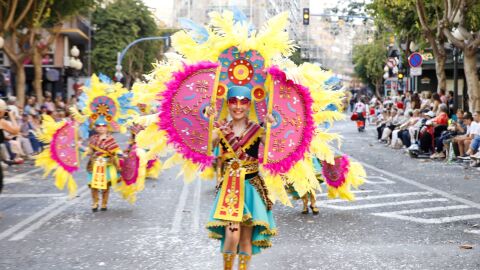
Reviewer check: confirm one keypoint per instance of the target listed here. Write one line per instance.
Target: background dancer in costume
(102, 165)
(310, 196)
(361, 111)
(241, 217)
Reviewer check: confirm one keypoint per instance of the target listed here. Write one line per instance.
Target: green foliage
(118, 24)
(369, 60)
(399, 17)
(472, 16)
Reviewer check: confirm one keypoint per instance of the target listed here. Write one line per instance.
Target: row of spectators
(17, 147)
(426, 124)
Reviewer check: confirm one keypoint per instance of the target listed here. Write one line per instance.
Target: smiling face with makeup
(101, 129)
(238, 107)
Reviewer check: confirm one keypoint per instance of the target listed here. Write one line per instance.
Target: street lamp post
(75, 64)
(120, 55)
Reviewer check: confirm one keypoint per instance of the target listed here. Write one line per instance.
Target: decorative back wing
(244, 69)
(64, 148)
(182, 111)
(130, 167)
(290, 138)
(336, 174)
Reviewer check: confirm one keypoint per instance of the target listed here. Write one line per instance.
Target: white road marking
(374, 205)
(49, 216)
(196, 206)
(177, 219)
(33, 217)
(425, 187)
(433, 220)
(355, 192)
(402, 215)
(473, 231)
(32, 195)
(382, 179)
(392, 195)
(424, 210)
(21, 177)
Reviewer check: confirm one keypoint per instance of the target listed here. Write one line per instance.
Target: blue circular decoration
(201, 111)
(278, 119)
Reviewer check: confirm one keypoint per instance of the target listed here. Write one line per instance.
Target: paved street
(412, 214)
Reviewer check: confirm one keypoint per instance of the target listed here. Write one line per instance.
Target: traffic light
(306, 16)
(400, 75)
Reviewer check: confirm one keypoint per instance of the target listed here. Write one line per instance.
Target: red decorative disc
(221, 90)
(258, 93)
(240, 71)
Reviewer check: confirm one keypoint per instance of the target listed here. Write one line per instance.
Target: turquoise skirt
(255, 215)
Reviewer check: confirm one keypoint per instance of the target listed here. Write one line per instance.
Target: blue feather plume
(198, 32)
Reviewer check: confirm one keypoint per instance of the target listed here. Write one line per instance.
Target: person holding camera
(11, 126)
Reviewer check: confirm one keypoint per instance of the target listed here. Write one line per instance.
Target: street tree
(408, 24)
(23, 24)
(118, 24)
(369, 60)
(461, 25)
(429, 15)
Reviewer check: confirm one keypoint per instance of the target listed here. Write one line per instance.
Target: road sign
(415, 60)
(416, 71)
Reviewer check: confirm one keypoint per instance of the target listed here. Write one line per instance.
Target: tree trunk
(470, 68)
(37, 82)
(378, 86)
(440, 60)
(20, 81)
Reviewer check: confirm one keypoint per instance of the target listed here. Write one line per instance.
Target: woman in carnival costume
(228, 68)
(248, 227)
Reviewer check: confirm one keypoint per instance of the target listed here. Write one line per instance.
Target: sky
(163, 9)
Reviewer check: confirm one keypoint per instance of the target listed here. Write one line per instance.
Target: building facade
(257, 12)
(57, 73)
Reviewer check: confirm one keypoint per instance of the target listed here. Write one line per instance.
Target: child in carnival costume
(103, 164)
(106, 108)
(103, 107)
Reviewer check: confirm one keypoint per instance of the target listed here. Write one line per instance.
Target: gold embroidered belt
(232, 195)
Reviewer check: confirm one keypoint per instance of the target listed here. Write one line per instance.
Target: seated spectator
(475, 134)
(456, 128)
(426, 102)
(462, 142)
(436, 101)
(28, 131)
(426, 133)
(396, 141)
(405, 129)
(59, 104)
(12, 106)
(381, 122)
(397, 120)
(48, 103)
(30, 107)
